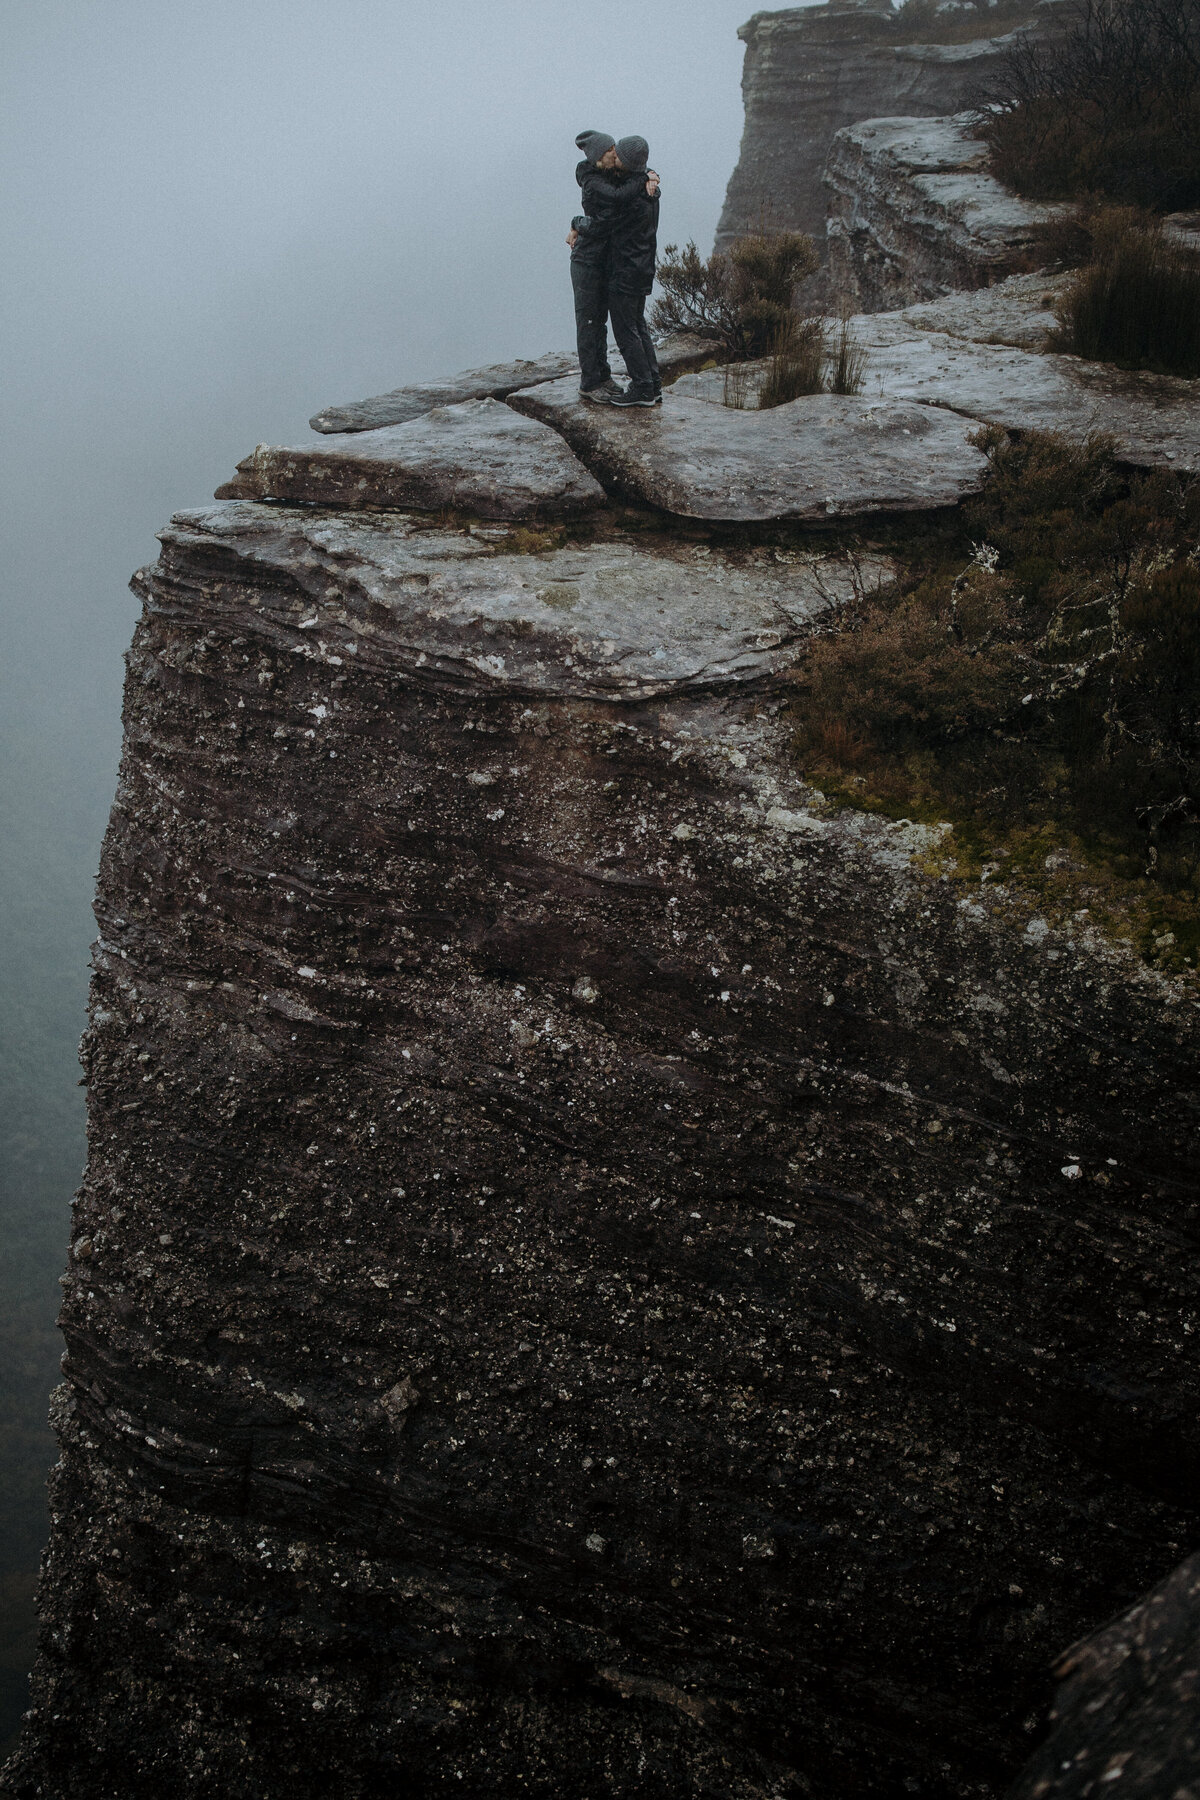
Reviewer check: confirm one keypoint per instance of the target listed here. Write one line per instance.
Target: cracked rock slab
(1155, 419)
(824, 456)
(495, 382)
(480, 457)
(440, 608)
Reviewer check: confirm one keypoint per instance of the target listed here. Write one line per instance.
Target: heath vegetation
(1136, 300)
(1107, 106)
(1034, 678)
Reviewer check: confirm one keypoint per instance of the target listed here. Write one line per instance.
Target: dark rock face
(821, 457)
(479, 456)
(808, 72)
(595, 1274)
(1128, 1711)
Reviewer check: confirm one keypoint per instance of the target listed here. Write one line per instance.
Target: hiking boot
(635, 397)
(604, 395)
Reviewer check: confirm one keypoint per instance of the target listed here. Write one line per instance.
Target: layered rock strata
(596, 1272)
(478, 456)
(808, 72)
(914, 214)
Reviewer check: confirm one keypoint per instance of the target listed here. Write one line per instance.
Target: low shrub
(1038, 675)
(797, 364)
(1106, 105)
(1136, 302)
(742, 297)
(848, 364)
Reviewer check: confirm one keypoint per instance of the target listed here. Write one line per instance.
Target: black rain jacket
(608, 195)
(634, 245)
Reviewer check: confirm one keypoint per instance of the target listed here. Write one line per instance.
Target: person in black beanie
(609, 193)
(633, 254)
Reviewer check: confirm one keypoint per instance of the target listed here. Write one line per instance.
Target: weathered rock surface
(1018, 311)
(683, 351)
(1155, 419)
(492, 383)
(596, 1274)
(818, 458)
(808, 72)
(914, 214)
(1126, 1721)
(609, 617)
(479, 456)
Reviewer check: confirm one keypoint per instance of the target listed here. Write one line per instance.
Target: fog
(216, 218)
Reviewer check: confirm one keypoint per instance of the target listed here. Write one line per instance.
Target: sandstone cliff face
(808, 72)
(914, 214)
(596, 1273)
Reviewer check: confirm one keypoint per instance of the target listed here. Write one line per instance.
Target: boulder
(914, 214)
(1125, 1720)
(479, 457)
(683, 351)
(820, 457)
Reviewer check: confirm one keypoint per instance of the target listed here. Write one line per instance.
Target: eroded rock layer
(808, 72)
(914, 214)
(596, 1275)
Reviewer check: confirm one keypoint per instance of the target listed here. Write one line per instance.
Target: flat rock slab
(1018, 312)
(495, 382)
(1154, 418)
(479, 457)
(443, 609)
(817, 458)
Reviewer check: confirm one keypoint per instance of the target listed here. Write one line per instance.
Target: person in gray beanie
(608, 193)
(633, 254)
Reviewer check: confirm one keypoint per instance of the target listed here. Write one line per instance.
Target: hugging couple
(614, 243)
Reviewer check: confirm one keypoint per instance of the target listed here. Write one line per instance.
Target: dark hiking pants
(591, 323)
(628, 312)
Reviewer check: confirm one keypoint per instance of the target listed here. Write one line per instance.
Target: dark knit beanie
(594, 144)
(634, 152)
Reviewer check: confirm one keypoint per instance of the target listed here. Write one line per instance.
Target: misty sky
(218, 217)
(215, 217)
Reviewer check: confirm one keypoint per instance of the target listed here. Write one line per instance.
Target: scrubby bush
(741, 297)
(1041, 671)
(1107, 105)
(848, 364)
(1137, 300)
(797, 364)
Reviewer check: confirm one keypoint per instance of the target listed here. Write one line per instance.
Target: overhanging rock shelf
(596, 1270)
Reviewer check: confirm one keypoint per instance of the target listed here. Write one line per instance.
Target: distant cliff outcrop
(808, 72)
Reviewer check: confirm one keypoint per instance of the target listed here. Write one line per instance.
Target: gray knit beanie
(594, 144)
(634, 153)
